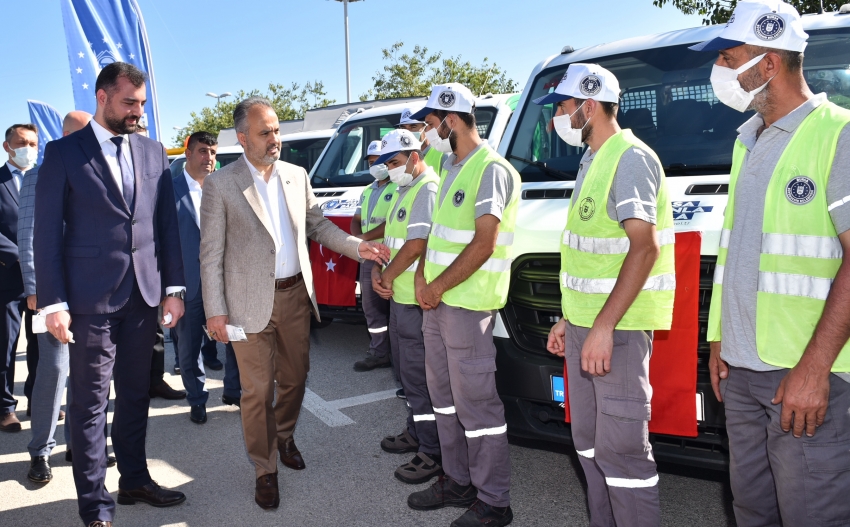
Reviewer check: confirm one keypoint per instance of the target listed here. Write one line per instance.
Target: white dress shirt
(195, 193)
(19, 180)
(274, 204)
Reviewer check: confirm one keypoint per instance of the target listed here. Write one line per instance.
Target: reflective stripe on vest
(494, 265)
(465, 237)
(604, 286)
(588, 244)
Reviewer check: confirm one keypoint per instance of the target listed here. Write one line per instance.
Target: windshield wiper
(681, 167)
(542, 166)
(326, 180)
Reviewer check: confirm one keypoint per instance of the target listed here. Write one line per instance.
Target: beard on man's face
(268, 153)
(120, 125)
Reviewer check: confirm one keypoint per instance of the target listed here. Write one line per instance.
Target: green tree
(719, 11)
(413, 74)
(289, 103)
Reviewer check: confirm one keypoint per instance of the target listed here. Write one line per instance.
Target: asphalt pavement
(349, 479)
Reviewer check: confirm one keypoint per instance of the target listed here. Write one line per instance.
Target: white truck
(668, 102)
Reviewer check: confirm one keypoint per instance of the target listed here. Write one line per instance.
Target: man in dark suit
(21, 144)
(106, 255)
(188, 189)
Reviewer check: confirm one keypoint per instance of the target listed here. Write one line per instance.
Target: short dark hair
(608, 108)
(28, 126)
(108, 77)
(466, 118)
(201, 137)
(792, 60)
(240, 113)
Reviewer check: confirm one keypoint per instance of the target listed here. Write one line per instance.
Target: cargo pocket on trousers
(627, 430)
(479, 378)
(827, 480)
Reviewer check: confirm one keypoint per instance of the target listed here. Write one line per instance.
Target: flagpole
(347, 54)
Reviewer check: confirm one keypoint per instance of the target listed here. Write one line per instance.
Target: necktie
(126, 179)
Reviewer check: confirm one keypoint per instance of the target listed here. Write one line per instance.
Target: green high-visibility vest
(434, 159)
(369, 219)
(593, 248)
(800, 250)
(396, 234)
(453, 227)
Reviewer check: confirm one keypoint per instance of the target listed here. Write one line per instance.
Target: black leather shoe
(443, 493)
(176, 370)
(214, 364)
(371, 362)
(198, 414)
(100, 523)
(400, 393)
(40, 470)
(110, 459)
(166, 392)
(235, 401)
(480, 514)
(152, 494)
(290, 456)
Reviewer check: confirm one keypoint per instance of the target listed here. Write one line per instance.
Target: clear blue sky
(227, 45)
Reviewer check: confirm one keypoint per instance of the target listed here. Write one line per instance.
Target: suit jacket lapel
(9, 183)
(246, 184)
(89, 144)
(181, 189)
(138, 155)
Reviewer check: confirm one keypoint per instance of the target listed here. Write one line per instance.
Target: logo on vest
(446, 99)
(388, 197)
(800, 190)
(402, 214)
(590, 85)
(458, 198)
(586, 208)
(769, 27)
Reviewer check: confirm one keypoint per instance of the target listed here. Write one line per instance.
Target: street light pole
(218, 98)
(347, 55)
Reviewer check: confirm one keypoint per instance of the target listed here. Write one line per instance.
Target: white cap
(585, 81)
(397, 141)
(374, 148)
(451, 97)
(766, 23)
(406, 117)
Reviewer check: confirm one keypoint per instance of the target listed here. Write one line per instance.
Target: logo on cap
(731, 20)
(586, 208)
(590, 85)
(384, 143)
(446, 99)
(800, 190)
(402, 214)
(405, 114)
(769, 27)
(404, 140)
(458, 198)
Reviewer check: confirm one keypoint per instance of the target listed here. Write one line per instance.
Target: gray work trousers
(377, 311)
(460, 364)
(609, 420)
(778, 479)
(408, 348)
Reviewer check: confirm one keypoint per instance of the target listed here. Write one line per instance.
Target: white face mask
(379, 172)
(439, 144)
(724, 82)
(417, 135)
(399, 176)
(25, 156)
(564, 128)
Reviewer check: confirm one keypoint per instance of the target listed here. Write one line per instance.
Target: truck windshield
(667, 101)
(343, 164)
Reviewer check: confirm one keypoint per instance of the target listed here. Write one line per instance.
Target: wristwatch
(178, 294)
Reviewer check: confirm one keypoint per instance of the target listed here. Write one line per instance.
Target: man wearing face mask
(432, 157)
(780, 306)
(461, 280)
(617, 287)
(407, 228)
(21, 145)
(368, 224)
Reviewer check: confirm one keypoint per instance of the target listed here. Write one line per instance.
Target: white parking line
(329, 411)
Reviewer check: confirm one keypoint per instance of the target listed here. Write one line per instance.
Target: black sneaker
(443, 493)
(371, 362)
(481, 514)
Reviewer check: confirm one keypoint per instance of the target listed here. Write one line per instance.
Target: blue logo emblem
(590, 85)
(458, 198)
(800, 190)
(402, 214)
(685, 210)
(446, 99)
(388, 197)
(769, 27)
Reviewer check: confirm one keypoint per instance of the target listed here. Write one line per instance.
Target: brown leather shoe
(9, 423)
(290, 456)
(152, 494)
(267, 494)
(166, 392)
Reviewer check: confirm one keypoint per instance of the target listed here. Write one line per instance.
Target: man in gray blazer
(256, 216)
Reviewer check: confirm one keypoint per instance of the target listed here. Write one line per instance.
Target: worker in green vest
(779, 320)
(407, 228)
(461, 280)
(617, 287)
(432, 157)
(368, 224)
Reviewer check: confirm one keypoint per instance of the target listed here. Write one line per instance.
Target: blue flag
(48, 121)
(100, 32)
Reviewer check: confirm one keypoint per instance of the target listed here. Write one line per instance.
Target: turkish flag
(673, 366)
(334, 275)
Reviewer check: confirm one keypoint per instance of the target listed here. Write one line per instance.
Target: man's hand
(804, 395)
(555, 345)
(58, 324)
(377, 252)
(717, 368)
(175, 306)
(431, 296)
(419, 284)
(380, 285)
(31, 302)
(597, 351)
(217, 326)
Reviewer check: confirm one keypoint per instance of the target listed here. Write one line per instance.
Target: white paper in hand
(39, 323)
(167, 319)
(235, 333)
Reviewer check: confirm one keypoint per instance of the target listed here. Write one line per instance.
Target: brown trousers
(280, 352)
